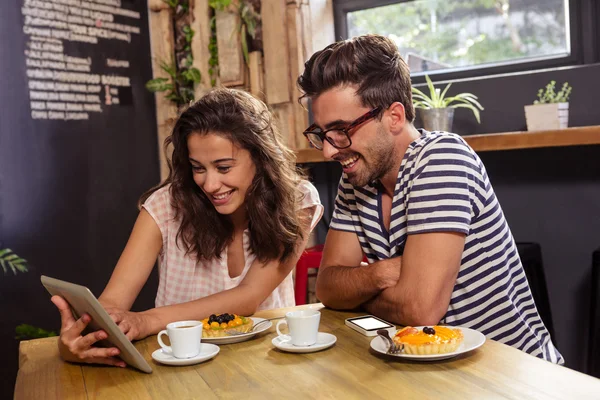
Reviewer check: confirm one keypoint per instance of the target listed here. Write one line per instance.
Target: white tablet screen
(370, 323)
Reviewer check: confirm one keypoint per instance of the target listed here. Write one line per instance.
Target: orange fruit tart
(435, 340)
(220, 325)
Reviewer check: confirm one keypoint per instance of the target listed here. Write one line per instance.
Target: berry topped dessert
(429, 340)
(223, 324)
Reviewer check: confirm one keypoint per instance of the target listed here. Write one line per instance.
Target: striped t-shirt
(442, 186)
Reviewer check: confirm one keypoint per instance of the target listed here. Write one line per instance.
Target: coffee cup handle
(162, 344)
(282, 337)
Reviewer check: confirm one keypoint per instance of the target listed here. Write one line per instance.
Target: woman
(228, 225)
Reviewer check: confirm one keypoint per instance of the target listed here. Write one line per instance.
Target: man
(418, 204)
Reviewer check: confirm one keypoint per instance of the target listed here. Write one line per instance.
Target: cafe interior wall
(67, 201)
(550, 196)
(68, 190)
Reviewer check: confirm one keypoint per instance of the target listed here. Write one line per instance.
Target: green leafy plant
(219, 4)
(549, 95)
(25, 332)
(10, 261)
(437, 99)
(183, 76)
(172, 3)
(180, 84)
(249, 20)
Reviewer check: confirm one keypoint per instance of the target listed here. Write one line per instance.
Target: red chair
(310, 258)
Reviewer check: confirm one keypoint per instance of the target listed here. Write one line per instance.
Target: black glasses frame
(322, 134)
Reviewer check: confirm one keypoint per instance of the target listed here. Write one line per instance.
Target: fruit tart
(429, 340)
(220, 325)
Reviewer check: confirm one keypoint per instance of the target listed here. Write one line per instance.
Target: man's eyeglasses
(337, 137)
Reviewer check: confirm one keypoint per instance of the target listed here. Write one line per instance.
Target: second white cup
(185, 338)
(303, 326)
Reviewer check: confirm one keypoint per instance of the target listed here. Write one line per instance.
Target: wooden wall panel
(297, 56)
(200, 41)
(284, 117)
(256, 78)
(275, 46)
(231, 60)
(321, 22)
(163, 49)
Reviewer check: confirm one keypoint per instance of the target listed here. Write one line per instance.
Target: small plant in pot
(550, 110)
(437, 110)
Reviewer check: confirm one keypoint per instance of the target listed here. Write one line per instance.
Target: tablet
(83, 301)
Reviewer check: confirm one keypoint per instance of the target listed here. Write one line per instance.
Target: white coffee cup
(303, 326)
(185, 338)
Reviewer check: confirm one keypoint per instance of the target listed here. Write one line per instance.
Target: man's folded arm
(430, 266)
(343, 283)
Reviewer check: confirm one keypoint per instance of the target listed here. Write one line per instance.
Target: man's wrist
(386, 272)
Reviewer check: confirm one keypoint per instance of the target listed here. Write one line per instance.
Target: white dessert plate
(472, 340)
(242, 337)
(324, 340)
(165, 356)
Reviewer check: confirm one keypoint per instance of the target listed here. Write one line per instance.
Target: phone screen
(370, 323)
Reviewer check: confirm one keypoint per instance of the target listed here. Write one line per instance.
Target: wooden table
(350, 369)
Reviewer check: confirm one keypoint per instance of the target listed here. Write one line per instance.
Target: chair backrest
(594, 336)
(531, 258)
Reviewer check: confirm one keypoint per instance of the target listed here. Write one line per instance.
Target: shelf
(580, 136)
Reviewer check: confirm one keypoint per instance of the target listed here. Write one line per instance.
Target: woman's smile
(221, 198)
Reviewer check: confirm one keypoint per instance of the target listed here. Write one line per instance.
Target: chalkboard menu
(70, 70)
(77, 144)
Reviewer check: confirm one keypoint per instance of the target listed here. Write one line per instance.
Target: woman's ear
(397, 117)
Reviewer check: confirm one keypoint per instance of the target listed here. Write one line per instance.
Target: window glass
(459, 34)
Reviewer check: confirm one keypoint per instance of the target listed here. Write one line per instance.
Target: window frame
(584, 36)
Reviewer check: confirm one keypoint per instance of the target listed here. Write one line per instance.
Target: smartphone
(368, 325)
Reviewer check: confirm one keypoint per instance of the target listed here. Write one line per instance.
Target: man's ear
(397, 117)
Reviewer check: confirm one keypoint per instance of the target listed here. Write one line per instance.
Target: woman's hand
(135, 325)
(77, 348)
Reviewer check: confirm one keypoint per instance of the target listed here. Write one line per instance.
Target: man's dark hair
(371, 62)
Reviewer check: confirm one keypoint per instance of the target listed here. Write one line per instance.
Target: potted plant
(437, 110)
(551, 110)
(11, 262)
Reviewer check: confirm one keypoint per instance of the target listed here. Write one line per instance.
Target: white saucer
(207, 351)
(324, 340)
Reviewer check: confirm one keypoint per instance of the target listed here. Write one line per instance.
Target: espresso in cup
(185, 338)
(303, 326)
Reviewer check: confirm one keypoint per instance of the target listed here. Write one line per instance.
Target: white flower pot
(547, 116)
(437, 119)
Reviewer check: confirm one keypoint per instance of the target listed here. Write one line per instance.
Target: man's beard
(382, 155)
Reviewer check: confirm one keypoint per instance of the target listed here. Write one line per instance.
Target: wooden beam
(163, 50)
(297, 41)
(579, 136)
(275, 46)
(232, 69)
(256, 78)
(284, 117)
(321, 22)
(201, 27)
(157, 5)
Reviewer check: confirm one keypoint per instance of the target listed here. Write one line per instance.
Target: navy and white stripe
(443, 186)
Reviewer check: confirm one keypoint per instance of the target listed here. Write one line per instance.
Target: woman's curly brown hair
(272, 198)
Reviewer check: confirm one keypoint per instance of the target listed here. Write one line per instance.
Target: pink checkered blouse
(182, 278)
